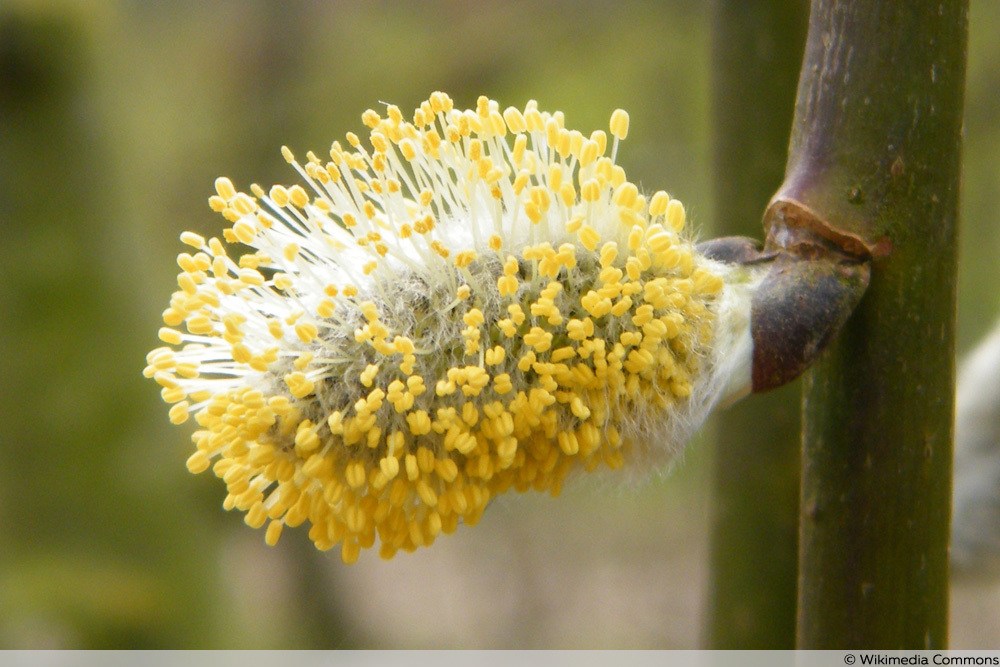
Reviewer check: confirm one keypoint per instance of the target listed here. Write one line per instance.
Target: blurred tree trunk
(88, 561)
(756, 54)
(875, 154)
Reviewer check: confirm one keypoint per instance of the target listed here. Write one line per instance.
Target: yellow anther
(188, 370)
(200, 325)
(600, 138)
(179, 413)
(274, 327)
(224, 187)
(590, 190)
(244, 231)
(502, 383)
(273, 533)
(440, 249)
(619, 124)
(658, 204)
(192, 239)
(379, 142)
(515, 120)
(370, 118)
(325, 308)
(567, 194)
(568, 443)
(659, 241)
(306, 439)
(353, 139)
(173, 395)
(299, 385)
(406, 366)
(539, 339)
(520, 181)
(595, 304)
(635, 238)
(171, 336)
(643, 315)
(609, 252)
(303, 361)
(403, 345)
(369, 310)
(495, 356)
(412, 471)
(507, 327)
(588, 153)
(555, 180)
(367, 376)
(465, 258)
(617, 176)
(408, 149)
(389, 466)
(632, 268)
(496, 123)
(470, 414)
(589, 237)
(243, 204)
(426, 493)
(707, 283)
(675, 215)
(533, 118)
(579, 410)
(354, 474)
(251, 277)
(576, 140)
(415, 384)
(626, 195)
(198, 462)
(306, 331)
(562, 354)
(298, 197)
(473, 318)
(580, 329)
(552, 127)
(419, 422)
(241, 353)
(630, 338)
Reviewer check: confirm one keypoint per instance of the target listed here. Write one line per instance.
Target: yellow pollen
(619, 124)
(675, 215)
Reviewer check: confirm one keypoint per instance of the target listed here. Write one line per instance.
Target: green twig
(873, 169)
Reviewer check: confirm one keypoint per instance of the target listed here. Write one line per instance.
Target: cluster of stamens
(473, 302)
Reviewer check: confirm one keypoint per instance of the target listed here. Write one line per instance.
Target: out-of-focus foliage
(116, 117)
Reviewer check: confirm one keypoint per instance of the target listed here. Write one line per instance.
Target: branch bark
(873, 170)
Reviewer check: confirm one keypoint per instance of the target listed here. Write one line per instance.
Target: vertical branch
(873, 169)
(756, 54)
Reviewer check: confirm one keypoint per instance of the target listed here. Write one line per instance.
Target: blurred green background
(116, 119)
